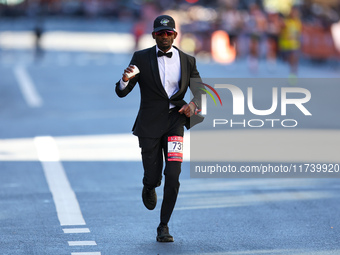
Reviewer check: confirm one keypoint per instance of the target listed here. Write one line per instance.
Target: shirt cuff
(123, 84)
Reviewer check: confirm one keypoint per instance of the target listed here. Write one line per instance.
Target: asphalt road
(71, 172)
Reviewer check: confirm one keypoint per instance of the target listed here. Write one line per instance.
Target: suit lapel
(184, 73)
(155, 70)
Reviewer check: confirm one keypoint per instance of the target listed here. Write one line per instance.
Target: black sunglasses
(163, 32)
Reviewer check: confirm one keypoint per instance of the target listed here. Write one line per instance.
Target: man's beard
(164, 48)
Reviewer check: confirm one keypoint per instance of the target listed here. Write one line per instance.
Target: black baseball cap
(164, 22)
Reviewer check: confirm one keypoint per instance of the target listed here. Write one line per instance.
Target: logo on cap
(165, 22)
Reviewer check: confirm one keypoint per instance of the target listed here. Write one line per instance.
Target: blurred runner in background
(289, 40)
(273, 31)
(256, 27)
(38, 31)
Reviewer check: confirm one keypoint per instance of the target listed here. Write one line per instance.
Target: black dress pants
(153, 150)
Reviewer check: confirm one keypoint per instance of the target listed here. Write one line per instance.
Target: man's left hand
(187, 109)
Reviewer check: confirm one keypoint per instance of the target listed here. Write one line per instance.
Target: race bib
(175, 148)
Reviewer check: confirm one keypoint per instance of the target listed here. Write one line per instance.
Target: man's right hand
(129, 69)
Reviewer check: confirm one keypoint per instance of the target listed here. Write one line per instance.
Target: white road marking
(301, 145)
(81, 243)
(65, 200)
(27, 87)
(85, 253)
(70, 41)
(76, 230)
(219, 200)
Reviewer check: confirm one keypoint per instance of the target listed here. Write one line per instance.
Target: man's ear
(175, 35)
(153, 35)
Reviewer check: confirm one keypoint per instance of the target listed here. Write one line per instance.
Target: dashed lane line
(76, 230)
(65, 200)
(81, 243)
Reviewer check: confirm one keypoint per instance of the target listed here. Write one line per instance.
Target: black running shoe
(163, 234)
(149, 198)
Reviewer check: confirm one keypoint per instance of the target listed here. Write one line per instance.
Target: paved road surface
(71, 172)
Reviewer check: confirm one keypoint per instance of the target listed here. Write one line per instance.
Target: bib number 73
(175, 148)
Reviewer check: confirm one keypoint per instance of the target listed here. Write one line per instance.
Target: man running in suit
(164, 77)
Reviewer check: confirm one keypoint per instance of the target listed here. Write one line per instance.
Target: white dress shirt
(169, 72)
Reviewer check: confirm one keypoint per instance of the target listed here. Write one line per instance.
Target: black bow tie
(161, 53)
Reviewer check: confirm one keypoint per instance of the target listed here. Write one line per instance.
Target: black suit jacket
(153, 113)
